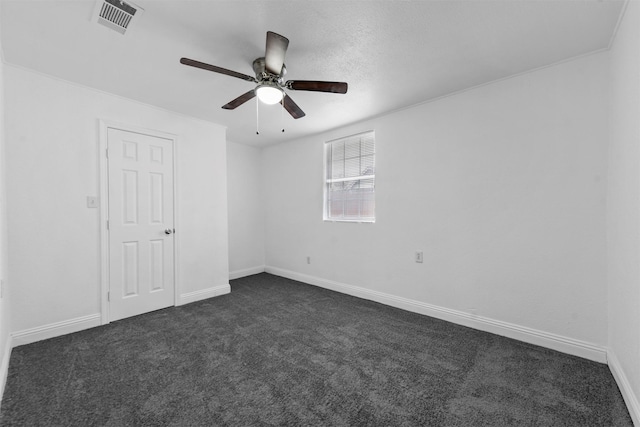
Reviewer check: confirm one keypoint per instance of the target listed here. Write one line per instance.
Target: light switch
(92, 202)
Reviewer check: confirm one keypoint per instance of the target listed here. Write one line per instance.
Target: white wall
(52, 138)
(503, 189)
(624, 209)
(5, 305)
(246, 213)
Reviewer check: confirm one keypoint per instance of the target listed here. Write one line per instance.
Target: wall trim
(614, 35)
(632, 401)
(246, 272)
(57, 329)
(194, 296)
(521, 333)
(4, 366)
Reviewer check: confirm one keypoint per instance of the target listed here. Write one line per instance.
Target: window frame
(327, 181)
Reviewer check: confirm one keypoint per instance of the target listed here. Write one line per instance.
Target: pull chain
(257, 117)
(281, 114)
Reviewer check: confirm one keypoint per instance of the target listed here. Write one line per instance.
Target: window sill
(358, 221)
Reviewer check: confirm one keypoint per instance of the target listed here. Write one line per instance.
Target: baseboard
(633, 404)
(204, 294)
(246, 272)
(52, 330)
(4, 366)
(521, 333)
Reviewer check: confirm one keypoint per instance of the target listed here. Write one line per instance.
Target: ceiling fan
(270, 71)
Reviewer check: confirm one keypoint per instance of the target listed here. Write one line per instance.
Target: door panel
(156, 251)
(141, 255)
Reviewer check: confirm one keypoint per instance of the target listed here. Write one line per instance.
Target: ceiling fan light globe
(269, 94)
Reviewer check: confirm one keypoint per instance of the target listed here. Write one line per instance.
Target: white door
(141, 255)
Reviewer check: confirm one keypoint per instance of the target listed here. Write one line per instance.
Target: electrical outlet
(308, 260)
(419, 257)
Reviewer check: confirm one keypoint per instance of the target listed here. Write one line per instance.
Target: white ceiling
(393, 54)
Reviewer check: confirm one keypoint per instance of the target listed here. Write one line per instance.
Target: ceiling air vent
(116, 14)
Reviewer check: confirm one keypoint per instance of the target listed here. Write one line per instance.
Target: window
(349, 191)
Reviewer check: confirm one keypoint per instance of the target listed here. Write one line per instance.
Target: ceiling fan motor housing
(260, 68)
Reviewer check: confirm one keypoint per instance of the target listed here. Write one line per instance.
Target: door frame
(104, 126)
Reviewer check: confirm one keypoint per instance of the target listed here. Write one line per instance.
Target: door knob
(168, 231)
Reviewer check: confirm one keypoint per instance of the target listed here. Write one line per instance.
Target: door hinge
(107, 224)
(108, 296)
(107, 152)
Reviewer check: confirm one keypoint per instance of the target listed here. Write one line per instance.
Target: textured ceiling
(393, 54)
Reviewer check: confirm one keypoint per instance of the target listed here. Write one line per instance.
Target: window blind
(350, 178)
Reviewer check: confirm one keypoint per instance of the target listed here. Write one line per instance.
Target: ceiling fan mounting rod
(260, 68)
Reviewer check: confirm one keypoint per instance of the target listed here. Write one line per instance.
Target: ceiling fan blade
(275, 52)
(240, 100)
(292, 107)
(334, 87)
(198, 64)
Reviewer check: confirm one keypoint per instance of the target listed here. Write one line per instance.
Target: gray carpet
(278, 352)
